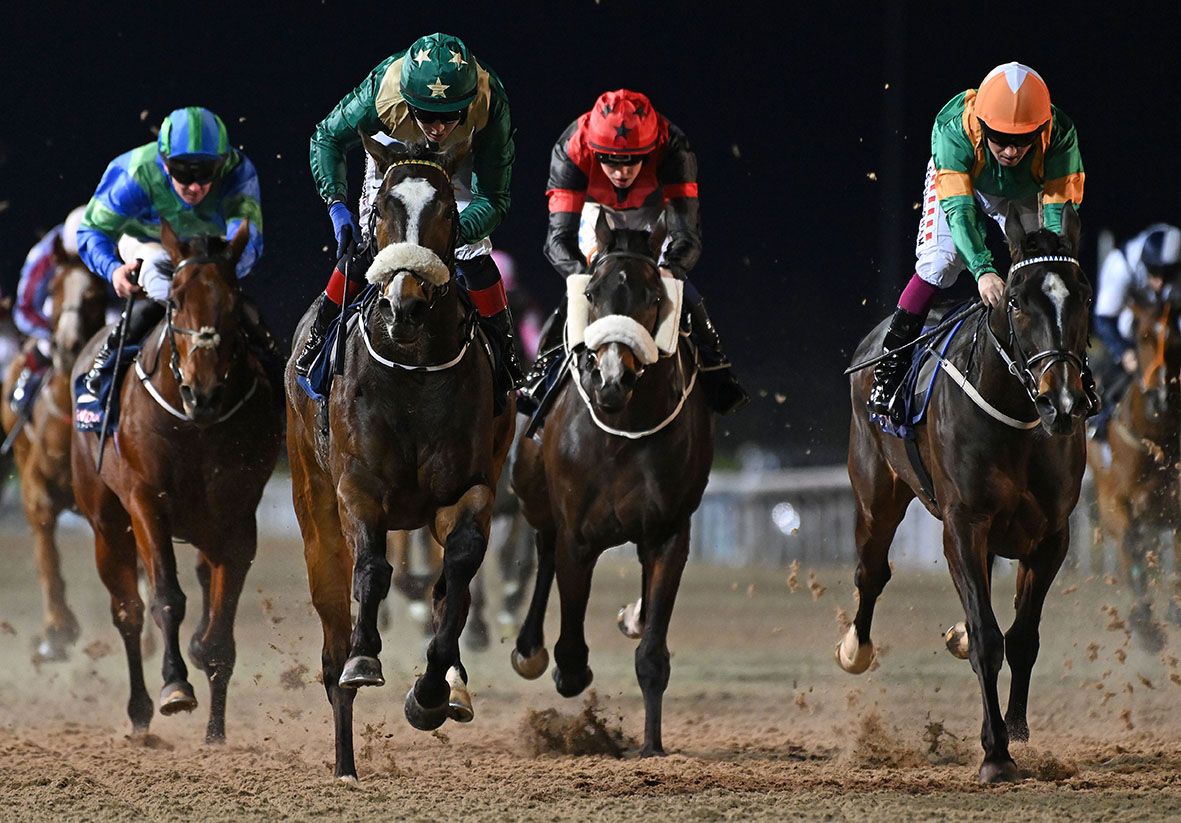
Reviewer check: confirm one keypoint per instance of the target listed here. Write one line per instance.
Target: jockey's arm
(1064, 173)
(678, 177)
(565, 196)
(340, 131)
(954, 155)
(493, 154)
(240, 201)
(117, 202)
(1115, 288)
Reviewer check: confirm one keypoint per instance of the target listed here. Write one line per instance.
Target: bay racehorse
(42, 448)
(1137, 481)
(198, 435)
(624, 457)
(1004, 445)
(412, 441)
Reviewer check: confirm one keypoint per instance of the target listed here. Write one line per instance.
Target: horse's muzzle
(204, 407)
(1060, 410)
(612, 380)
(406, 318)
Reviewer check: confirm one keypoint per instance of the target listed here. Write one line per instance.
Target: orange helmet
(1013, 99)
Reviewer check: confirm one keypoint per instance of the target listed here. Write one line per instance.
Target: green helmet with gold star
(439, 74)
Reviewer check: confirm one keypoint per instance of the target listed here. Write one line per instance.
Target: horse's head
(624, 293)
(416, 226)
(1158, 347)
(204, 324)
(79, 306)
(1047, 300)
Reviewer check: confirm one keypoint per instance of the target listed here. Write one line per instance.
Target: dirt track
(758, 721)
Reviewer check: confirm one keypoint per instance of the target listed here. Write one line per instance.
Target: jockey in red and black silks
(624, 157)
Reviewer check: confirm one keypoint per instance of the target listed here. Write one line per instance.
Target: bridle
(595, 262)
(1020, 364)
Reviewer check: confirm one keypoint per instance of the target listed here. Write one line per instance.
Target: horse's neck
(990, 373)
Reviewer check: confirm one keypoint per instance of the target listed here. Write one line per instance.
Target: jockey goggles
(423, 116)
(1016, 140)
(189, 170)
(620, 159)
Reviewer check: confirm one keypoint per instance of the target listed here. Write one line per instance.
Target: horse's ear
(60, 255)
(238, 242)
(603, 231)
(1072, 227)
(382, 154)
(170, 241)
(1014, 233)
(656, 238)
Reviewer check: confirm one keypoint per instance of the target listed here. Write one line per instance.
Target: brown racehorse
(42, 449)
(1006, 469)
(624, 457)
(1136, 485)
(412, 442)
(199, 432)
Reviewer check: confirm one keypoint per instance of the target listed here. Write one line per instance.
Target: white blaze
(415, 193)
(1056, 290)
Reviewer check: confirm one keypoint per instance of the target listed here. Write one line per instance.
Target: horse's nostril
(628, 379)
(186, 393)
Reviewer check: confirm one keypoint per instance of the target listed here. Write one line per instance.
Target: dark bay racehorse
(1006, 472)
(1137, 483)
(412, 442)
(42, 449)
(624, 457)
(199, 433)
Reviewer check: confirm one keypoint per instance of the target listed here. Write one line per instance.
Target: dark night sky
(788, 120)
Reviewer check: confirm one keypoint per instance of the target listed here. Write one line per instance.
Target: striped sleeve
(241, 201)
(1064, 172)
(954, 157)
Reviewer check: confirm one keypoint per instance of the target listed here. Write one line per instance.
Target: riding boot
(28, 382)
(145, 313)
(508, 375)
(270, 353)
(722, 389)
(888, 373)
(326, 310)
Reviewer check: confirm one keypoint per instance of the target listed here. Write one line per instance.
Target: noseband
(595, 262)
(1020, 364)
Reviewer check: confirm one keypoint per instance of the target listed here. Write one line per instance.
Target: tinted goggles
(197, 170)
(1019, 141)
(436, 116)
(620, 159)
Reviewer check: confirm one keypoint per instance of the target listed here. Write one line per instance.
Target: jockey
(33, 309)
(1150, 265)
(438, 90)
(625, 157)
(1000, 149)
(193, 178)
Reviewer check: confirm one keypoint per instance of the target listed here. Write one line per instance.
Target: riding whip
(124, 320)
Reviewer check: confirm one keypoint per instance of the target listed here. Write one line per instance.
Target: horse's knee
(465, 551)
(168, 603)
(987, 650)
(652, 667)
(128, 616)
(871, 579)
(372, 573)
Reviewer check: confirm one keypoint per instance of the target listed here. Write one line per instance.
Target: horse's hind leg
(516, 567)
(529, 657)
(114, 552)
(441, 691)
(197, 641)
(1134, 551)
(1034, 576)
(880, 499)
(662, 566)
(61, 626)
(574, 571)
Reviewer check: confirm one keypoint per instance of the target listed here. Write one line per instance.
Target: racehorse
(1004, 445)
(1136, 483)
(198, 435)
(42, 448)
(412, 441)
(624, 457)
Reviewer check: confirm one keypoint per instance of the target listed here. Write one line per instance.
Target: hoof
(573, 686)
(459, 706)
(361, 671)
(48, 650)
(348, 780)
(177, 697)
(653, 751)
(629, 620)
(1004, 771)
(424, 719)
(853, 656)
(1018, 730)
(531, 667)
(956, 639)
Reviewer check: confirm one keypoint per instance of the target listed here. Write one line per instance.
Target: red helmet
(623, 122)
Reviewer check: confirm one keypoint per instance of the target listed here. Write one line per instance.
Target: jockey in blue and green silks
(192, 177)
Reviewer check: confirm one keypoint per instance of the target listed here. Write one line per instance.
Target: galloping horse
(624, 457)
(1136, 485)
(199, 433)
(412, 442)
(1005, 447)
(42, 448)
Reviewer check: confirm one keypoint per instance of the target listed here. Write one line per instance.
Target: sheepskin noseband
(619, 328)
(408, 257)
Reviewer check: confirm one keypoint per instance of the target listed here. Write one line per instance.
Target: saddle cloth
(319, 378)
(89, 408)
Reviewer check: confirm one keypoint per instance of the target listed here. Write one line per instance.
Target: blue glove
(343, 226)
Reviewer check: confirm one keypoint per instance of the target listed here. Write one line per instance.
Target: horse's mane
(203, 245)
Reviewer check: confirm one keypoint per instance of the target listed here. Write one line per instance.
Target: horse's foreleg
(441, 691)
(1134, 551)
(516, 567)
(965, 547)
(663, 566)
(571, 673)
(197, 641)
(363, 521)
(154, 541)
(61, 626)
(114, 553)
(1034, 576)
(529, 657)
